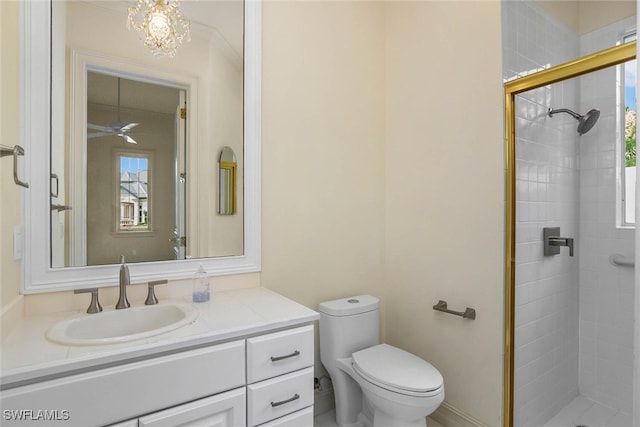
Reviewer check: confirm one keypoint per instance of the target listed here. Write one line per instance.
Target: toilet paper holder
(468, 313)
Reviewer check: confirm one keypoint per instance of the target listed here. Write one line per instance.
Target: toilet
(375, 385)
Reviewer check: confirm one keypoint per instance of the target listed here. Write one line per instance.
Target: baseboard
(450, 416)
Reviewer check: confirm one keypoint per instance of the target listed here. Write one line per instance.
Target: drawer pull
(276, 358)
(282, 402)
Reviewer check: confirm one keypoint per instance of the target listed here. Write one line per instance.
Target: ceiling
(103, 89)
(224, 17)
(220, 21)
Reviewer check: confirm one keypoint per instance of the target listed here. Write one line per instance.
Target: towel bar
(468, 313)
(15, 152)
(621, 261)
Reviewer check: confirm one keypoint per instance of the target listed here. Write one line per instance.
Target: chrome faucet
(124, 282)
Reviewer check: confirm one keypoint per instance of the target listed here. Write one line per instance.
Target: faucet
(124, 282)
(94, 305)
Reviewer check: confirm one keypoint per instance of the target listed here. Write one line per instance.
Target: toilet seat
(396, 370)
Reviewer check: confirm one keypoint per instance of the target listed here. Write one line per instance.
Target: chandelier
(161, 25)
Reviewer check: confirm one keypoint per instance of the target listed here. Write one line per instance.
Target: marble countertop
(26, 356)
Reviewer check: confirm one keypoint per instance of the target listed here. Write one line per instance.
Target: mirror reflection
(133, 167)
(228, 166)
(135, 136)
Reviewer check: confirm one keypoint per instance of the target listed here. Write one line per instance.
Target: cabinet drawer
(278, 353)
(302, 418)
(279, 396)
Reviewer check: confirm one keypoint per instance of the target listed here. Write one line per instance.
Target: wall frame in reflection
(227, 184)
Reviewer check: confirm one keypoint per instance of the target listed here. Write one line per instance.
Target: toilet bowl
(402, 388)
(375, 384)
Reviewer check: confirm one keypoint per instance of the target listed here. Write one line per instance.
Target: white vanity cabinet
(264, 380)
(280, 378)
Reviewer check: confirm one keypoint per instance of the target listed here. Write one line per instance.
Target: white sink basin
(118, 326)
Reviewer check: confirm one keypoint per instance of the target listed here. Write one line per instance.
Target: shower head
(585, 123)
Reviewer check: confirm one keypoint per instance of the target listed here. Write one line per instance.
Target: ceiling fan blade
(129, 139)
(96, 134)
(117, 128)
(96, 127)
(129, 126)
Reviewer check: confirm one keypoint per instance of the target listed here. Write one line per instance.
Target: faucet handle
(151, 295)
(94, 305)
(569, 241)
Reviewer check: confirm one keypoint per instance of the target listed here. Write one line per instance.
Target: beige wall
(383, 173)
(322, 151)
(322, 143)
(444, 217)
(9, 192)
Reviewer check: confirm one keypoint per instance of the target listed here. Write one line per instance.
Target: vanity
(246, 360)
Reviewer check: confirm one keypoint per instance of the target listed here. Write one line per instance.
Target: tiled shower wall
(606, 291)
(568, 181)
(546, 358)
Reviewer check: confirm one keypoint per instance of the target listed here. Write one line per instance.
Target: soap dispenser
(200, 286)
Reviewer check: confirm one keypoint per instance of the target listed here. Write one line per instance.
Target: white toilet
(374, 384)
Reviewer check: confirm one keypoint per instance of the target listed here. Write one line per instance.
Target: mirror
(124, 102)
(227, 182)
(132, 139)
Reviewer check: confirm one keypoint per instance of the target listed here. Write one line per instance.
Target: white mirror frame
(37, 274)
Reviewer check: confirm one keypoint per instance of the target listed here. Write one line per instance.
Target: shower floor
(586, 412)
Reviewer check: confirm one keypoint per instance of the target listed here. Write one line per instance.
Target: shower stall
(571, 289)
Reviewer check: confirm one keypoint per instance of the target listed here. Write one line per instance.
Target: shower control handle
(562, 241)
(553, 241)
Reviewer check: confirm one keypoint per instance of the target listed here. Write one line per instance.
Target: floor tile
(328, 419)
(585, 412)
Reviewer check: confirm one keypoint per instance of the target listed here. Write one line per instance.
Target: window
(627, 141)
(133, 194)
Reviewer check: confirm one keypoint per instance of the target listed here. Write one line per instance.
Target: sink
(116, 326)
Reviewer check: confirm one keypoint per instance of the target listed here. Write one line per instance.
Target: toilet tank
(348, 325)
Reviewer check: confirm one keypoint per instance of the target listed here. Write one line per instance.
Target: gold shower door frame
(587, 64)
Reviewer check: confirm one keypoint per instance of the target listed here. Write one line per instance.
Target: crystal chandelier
(161, 25)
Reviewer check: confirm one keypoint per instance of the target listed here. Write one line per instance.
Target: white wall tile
(574, 315)
(606, 334)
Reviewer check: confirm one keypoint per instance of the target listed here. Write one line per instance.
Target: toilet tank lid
(350, 305)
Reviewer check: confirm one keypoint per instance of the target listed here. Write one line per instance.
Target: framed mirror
(130, 137)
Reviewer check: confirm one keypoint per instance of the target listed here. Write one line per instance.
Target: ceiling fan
(117, 128)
